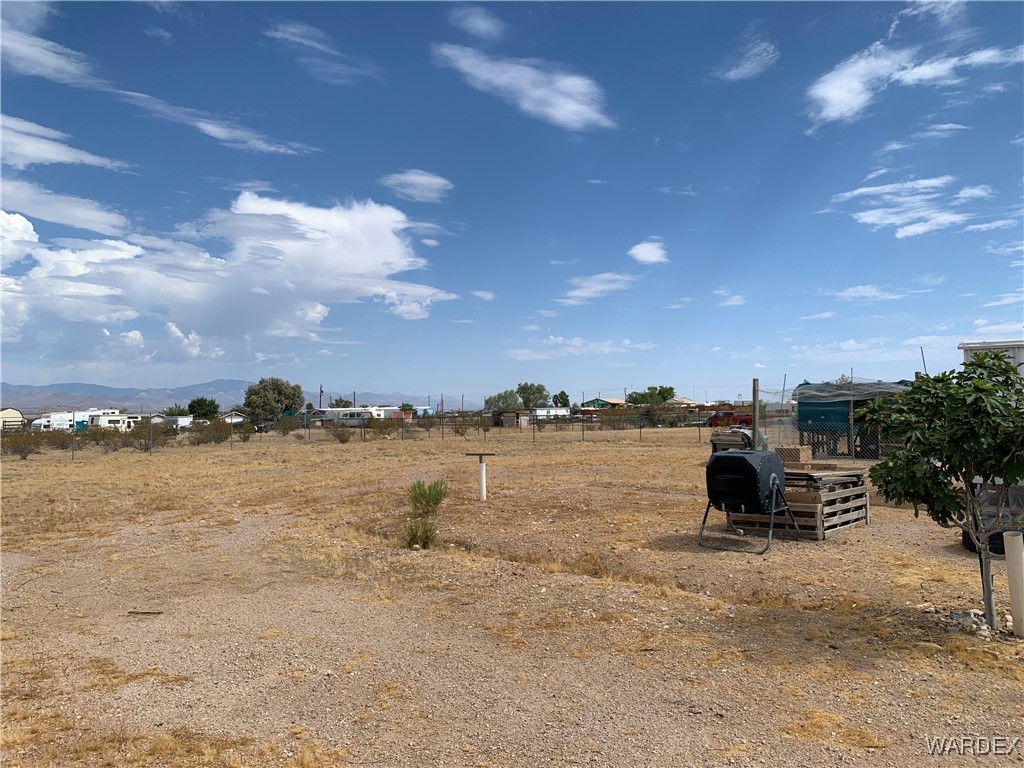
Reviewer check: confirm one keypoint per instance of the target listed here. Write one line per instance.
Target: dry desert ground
(252, 604)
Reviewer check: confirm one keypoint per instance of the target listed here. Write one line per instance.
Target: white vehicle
(355, 417)
(122, 422)
(69, 420)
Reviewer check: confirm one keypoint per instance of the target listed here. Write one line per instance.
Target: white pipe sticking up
(1014, 542)
(483, 480)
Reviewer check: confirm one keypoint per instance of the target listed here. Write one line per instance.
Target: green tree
(533, 395)
(269, 398)
(176, 410)
(204, 408)
(950, 430)
(504, 401)
(407, 408)
(339, 402)
(654, 396)
(561, 400)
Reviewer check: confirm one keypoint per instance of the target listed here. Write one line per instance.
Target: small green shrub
(286, 425)
(420, 532)
(341, 433)
(299, 436)
(245, 432)
(425, 499)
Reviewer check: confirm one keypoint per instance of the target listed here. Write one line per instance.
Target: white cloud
(132, 339)
(990, 331)
(546, 313)
(596, 181)
(760, 365)
(1006, 300)
(159, 33)
(756, 54)
(716, 349)
(430, 242)
(17, 238)
(894, 146)
(912, 207)
(478, 22)
(729, 299)
(649, 252)
(28, 54)
(1006, 249)
(940, 131)
(483, 295)
(193, 343)
(594, 287)
(819, 316)
(26, 144)
(464, 322)
(559, 346)
(865, 293)
(1018, 139)
(876, 173)
(419, 186)
(537, 87)
(284, 265)
(39, 203)
(980, 192)
(687, 191)
(27, 17)
(844, 93)
(989, 226)
(733, 301)
(315, 52)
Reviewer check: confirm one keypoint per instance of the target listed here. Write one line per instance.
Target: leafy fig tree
(957, 430)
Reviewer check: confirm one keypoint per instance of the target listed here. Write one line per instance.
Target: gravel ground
(241, 639)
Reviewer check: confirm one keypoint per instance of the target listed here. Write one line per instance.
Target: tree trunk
(988, 596)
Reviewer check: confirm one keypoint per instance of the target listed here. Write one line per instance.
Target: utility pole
(321, 396)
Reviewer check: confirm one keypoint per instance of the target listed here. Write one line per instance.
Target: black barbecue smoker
(745, 483)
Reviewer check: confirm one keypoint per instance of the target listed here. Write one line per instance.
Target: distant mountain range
(227, 392)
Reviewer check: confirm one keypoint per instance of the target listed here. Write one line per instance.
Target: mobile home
(122, 422)
(69, 420)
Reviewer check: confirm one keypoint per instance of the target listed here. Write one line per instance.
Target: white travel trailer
(69, 420)
(354, 417)
(122, 422)
(1015, 349)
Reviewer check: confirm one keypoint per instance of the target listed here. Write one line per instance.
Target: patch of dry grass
(819, 726)
(108, 676)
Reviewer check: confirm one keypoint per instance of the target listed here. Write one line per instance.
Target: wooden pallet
(822, 502)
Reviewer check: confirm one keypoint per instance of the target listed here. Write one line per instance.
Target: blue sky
(428, 197)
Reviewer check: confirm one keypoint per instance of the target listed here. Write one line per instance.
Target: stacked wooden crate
(822, 501)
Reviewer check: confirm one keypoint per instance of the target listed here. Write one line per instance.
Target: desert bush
(21, 444)
(341, 433)
(425, 499)
(245, 432)
(382, 427)
(146, 437)
(427, 423)
(285, 426)
(420, 532)
(299, 436)
(111, 440)
(57, 439)
(214, 432)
